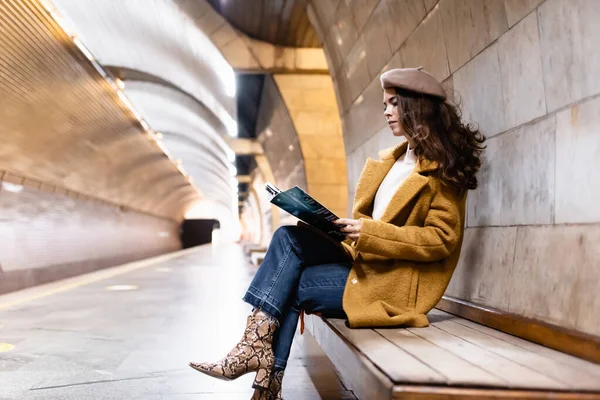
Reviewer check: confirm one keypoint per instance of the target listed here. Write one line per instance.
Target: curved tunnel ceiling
(157, 39)
(281, 22)
(63, 124)
(177, 118)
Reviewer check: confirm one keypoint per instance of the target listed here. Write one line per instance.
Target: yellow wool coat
(403, 262)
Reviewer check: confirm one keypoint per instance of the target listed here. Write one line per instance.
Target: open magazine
(302, 206)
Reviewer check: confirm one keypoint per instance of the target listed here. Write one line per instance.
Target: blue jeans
(301, 270)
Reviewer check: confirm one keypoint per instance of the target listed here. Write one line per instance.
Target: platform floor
(76, 339)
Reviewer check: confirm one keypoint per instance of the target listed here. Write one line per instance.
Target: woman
(402, 244)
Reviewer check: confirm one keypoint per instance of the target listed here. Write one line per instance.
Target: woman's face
(391, 112)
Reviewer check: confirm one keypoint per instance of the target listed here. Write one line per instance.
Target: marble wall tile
(286, 155)
(563, 262)
(569, 33)
(521, 70)
(296, 177)
(332, 51)
(381, 140)
(355, 162)
(448, 86)
(404, 17)
(376, 38)
(350, 203)
(321, 29)
(425, 47)
(361, 10)
(517, 9)
(343, 92)
(356, 69)
(346, 31)
(365, 117)
(273, 114)
(429, 4)
(516, 182)
(470, 26)
(484, 272)
(577, 163)
(338, 96)
(325, 11)
(394, 62)
(478, 89)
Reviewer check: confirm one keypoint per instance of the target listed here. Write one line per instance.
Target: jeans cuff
(280, 365)
(263, 304)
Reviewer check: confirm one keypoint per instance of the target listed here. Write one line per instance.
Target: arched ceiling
(186, 134)
(280, 22)
(63, 124)
(154, 36)
(174, 77)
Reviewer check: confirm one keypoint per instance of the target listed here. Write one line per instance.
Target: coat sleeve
(348, 248)
(434, 241)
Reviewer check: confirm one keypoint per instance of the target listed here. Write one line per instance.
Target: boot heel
(261, 381)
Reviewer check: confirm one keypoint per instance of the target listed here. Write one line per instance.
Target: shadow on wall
(196, 232)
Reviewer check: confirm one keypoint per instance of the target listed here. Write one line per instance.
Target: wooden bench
(255, 252)
(453, 358)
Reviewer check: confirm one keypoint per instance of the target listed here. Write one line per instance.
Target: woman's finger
(344, 221)
(350, 228)
(353, 236)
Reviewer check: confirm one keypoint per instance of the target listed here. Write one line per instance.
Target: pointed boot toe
(253, 353)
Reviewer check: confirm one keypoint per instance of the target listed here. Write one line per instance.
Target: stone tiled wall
(526, 72)
(275, 131)
(310, 100)
(48, 234)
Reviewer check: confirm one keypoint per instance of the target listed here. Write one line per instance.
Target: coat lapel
(405, 193)
(373, 174)
(371, 177)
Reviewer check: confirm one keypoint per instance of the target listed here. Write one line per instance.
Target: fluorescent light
(232, 127)
(230, 154)
(120, 288)
(83, 49)
(12, 187)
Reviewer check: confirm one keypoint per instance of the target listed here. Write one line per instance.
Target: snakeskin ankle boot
(253, 353)
(274, 390)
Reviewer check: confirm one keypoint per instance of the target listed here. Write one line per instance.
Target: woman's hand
(352, 227)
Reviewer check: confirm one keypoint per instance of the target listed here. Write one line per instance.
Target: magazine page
(304, 207)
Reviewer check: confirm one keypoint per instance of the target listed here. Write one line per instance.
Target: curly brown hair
(438, 134)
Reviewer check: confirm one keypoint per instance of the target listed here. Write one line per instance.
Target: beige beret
(412, 79)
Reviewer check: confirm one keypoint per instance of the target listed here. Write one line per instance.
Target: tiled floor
(76, 340)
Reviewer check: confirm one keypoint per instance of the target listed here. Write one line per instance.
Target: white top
(401, 169)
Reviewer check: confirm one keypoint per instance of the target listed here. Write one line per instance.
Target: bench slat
(515, 375)
(412, 392)
(583, 367)
(397, 364)
(356, 371)
(569, 377)
(456, 370)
